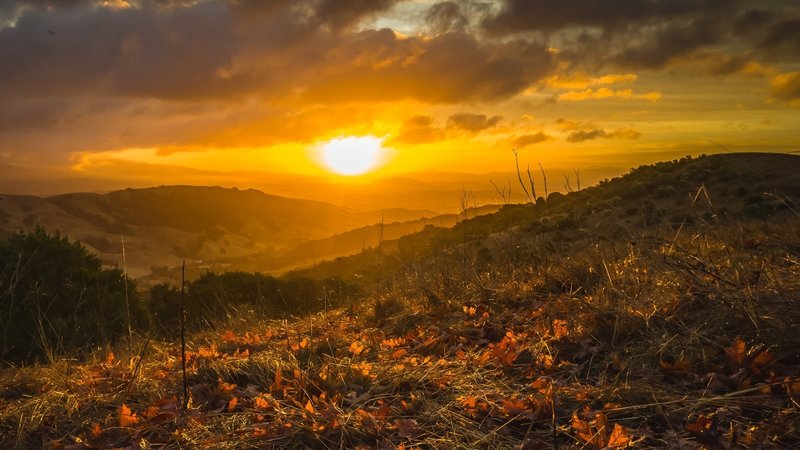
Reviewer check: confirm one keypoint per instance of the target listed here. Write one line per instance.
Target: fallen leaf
(408, 428)
(97, 430)
(126, 417)
(619, 437)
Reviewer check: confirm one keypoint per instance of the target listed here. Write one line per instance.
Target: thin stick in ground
(185, 403)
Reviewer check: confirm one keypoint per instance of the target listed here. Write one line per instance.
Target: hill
(656, 310)
(345, 244)
(160, 226)
(655, 198)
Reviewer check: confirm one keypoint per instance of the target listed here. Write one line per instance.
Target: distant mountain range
(160, 226)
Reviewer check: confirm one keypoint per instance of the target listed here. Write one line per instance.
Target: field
(658, 310)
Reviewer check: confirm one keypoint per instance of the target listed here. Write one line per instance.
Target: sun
(351, 156)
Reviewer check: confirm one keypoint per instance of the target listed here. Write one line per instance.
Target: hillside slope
(160, 226)
(662, 197)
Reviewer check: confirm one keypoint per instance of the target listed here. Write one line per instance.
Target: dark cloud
(472, 123)
(378, 65)
(587, 135)
(204, 52)
(530, 139)
(671, 42)
(336, 14)
(544, 15)
(653, 34)
(418, 130)
(134, 52)
(447, 16)
(342, 13)
(580, 136)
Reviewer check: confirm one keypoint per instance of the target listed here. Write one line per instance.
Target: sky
(98, 94)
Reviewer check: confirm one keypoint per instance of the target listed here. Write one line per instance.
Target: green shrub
(57, 298)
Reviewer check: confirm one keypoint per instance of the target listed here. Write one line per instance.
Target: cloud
(786, 86)
(658, 49)
(781, 42)
(608, 94)
(578, 80)
(530, 139)
(343, 13)
(418, 130)
(543, 15)
(444, 17)
(378, 65)
(472, 123)
(205, 51)
(587, 135)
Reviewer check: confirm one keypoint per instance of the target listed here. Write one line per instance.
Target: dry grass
(670, 342)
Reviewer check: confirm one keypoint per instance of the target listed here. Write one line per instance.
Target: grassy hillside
(657, 310)
(161, 226)
(659, 198)
(346, 244)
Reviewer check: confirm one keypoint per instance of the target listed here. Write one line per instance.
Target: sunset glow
(247, 91)
(352, 156)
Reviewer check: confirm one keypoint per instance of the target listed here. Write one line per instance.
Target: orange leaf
(582, 428)
(261, 403)
(232, 404)
(110, 358)
(150, 412)
(736, 353)
(702, 425)
(762, 359)
(383, 412)
(619, 437)
(97, 430)
(515, 407)
(229, 336)
(601, 424)
(678, 365)
(356, 348)
(469, 402)
(399, 353)
(310, 408)
(126, 418)
(560, 328)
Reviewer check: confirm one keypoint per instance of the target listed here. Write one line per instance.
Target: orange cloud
(530, 139)
(584, 81)
(786, 86)
(418, 130)
(606, 94)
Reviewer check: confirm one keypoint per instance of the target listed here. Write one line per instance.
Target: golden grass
(668, 342)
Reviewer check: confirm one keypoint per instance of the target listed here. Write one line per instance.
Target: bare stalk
(519, 176)
(533, 187)
(127, 300)
(183, 338)
(544, 177)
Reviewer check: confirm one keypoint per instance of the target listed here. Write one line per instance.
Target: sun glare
(352, 156)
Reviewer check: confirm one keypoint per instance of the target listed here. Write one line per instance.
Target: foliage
(56, 297)
(214, 297)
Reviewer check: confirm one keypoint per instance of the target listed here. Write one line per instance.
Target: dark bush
(57, 298)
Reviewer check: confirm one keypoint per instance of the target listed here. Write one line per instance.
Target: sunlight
(352, 155)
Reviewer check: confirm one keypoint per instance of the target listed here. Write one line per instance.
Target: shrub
(56, 297)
